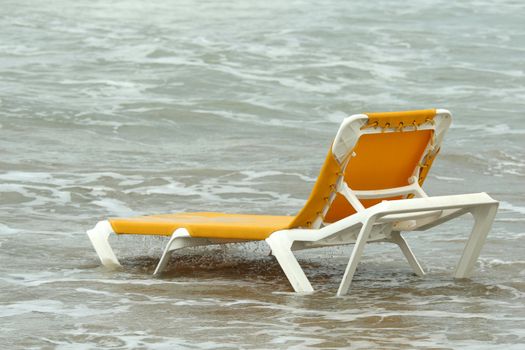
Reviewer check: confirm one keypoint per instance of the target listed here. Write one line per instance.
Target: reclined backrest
(374, 151)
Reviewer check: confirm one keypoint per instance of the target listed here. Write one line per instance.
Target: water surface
(132, 107)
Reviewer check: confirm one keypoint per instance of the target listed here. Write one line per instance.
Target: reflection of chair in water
(368, 191)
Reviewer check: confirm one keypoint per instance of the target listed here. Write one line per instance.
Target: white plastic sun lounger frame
(383, 222)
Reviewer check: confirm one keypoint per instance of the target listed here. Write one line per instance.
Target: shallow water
(129, 107)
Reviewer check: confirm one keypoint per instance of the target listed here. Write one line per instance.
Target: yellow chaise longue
(368, 190)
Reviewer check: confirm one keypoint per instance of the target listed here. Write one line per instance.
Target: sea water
(117, 108)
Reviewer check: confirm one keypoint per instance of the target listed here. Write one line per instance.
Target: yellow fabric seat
(208, 225)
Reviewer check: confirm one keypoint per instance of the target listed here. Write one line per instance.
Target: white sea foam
(336, 117)
(506, 206)
(252, 175)
(42, 279)
(493, 129)
(31, 193)
(499, 262)
(114, 207)
(179, 189)
(252, 119)
(515, 235)
(448, 178)
(6, 230)
(19, 50)
(15, 188)
(26, 177)
(98, 81)
(132, 181)
(214, 192)
(508, 164)
(57, 308)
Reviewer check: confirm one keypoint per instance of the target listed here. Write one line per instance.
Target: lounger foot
(281, 249)
(409, 255)
(179, 239)
(359, 246)
(483, 218)
(99, 237)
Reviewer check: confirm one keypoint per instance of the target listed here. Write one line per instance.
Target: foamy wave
(499, 262)
(6, 230)
(54, 307)
(506, 206)
(251, 175)
(114, 207)
(448, 178)
(494, 129)
(252, 119)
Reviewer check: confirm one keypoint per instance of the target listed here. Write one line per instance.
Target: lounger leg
(483, 218)
(179, 239)
(99, 236)
(409, 255)
(355, 257)
(281, 249)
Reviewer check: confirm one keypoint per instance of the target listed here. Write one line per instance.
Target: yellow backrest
(392, 147)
